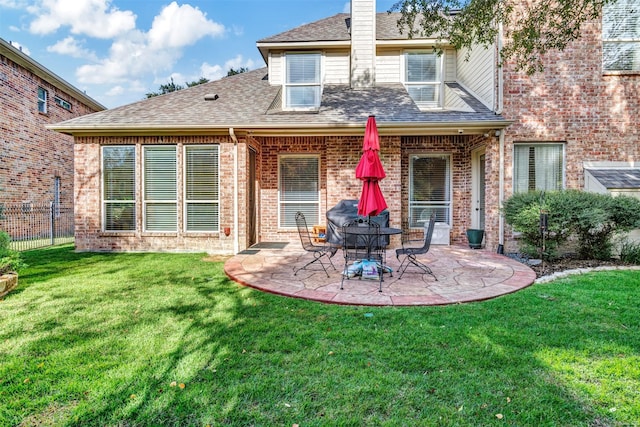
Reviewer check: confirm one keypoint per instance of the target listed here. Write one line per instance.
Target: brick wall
(88, 213)
(596, 115)
(30, 155)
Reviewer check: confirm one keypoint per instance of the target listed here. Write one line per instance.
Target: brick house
(36, 163)
(221, 166)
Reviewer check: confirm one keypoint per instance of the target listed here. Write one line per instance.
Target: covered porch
(464, 275)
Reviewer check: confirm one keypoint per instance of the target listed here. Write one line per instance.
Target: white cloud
(13, 4)
(179, 26)
(137, 54)
(21, 48)
(70, 46)
(94, 18)
(215, 72)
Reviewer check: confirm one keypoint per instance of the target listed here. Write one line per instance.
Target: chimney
(363, 43)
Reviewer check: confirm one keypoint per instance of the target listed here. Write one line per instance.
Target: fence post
(52, 216)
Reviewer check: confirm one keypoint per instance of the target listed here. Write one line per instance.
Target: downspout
(501, 194)
(236, 244)
(500, 106)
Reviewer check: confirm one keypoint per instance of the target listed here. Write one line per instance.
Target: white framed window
(429, 188)
(42, 100)
(538, 166)
(298, 189)
(422, 77)
(119, 188)
(302, 88)
(160, 195)
(61, 102)
(202, 188)
(621, 36)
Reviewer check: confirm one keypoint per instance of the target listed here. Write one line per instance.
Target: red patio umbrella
(370, 171)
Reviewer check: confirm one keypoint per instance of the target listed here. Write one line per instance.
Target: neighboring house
(36, 163)
(224, 165)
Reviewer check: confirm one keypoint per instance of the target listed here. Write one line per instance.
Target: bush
(630, 252)
(10, 260)
(593, 218)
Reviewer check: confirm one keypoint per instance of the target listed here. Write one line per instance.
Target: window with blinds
(302, 85)
(119, 188)
(621, 36)
(429, 189)
(422, 78)
(202, 196)
(160, 205)
(538, 167)
(298, 189)
(42, 100)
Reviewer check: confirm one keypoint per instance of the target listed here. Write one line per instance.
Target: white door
(478, 188)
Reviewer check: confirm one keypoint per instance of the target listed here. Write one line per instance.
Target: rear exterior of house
(221, 166)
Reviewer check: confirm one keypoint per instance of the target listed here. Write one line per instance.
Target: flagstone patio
(464, 275)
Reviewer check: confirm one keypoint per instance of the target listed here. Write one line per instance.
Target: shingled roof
(334, 28)
(247, 102)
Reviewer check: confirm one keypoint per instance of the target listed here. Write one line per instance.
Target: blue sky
(118, 50)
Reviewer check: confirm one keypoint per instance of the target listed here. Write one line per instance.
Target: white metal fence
(34, 226)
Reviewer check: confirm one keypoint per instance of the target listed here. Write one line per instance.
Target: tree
(233, 72)
(530, 28)
(173, 87)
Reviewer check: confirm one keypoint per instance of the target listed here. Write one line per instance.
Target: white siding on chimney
(477, 74)
(336, 67)
(363, 43)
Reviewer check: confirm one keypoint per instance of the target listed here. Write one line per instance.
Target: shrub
(593, 218)
(10, 260)
(630, 252)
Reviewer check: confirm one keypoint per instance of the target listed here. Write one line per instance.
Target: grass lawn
(167, 340)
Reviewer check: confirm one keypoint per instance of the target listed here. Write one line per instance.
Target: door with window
(478, 189)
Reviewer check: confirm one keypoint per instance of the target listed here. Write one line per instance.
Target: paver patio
(464, 275)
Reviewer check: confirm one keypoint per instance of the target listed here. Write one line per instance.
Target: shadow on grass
(113, 336)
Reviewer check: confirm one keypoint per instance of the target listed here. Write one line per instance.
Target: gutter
(236, 244)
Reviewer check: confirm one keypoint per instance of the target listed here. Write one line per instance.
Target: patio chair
(360, 242)
(318, 251)
(410, 252)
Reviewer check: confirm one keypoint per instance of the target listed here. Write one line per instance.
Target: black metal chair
(361, 241)
(318, 251)
(410, 252)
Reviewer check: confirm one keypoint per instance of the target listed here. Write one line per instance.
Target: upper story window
(42, 100)
(61, 102)
(621, 36)
(423, 78)
(538, 167)
(302, 88)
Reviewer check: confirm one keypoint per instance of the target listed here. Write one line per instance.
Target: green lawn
(167, 340)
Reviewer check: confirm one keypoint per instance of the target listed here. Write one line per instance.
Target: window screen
(430, 189)
(302, 87)
(201, 188)
(621, 36)
(299, 189)
(538, 167)
(160, 188)
(119, 188)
